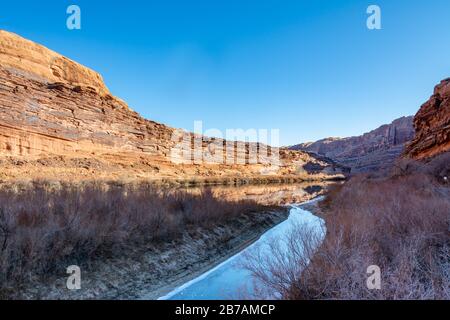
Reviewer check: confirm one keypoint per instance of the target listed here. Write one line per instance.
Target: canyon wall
(432, 125)
(369, 152)
(58, 120)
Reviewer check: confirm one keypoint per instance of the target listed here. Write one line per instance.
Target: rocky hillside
(432, 125)
(58, 120)
(370, 151)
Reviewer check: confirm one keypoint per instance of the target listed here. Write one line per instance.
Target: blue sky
(309, 68)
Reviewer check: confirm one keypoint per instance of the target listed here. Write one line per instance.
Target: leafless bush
(280, 262)
(42, 227)
(437, 167)
(400, 223)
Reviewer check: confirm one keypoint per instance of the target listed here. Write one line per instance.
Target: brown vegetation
(42, 228)
(399, 221)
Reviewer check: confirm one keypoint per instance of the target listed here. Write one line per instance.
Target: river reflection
(272, 194)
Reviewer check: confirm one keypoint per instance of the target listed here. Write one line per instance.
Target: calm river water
(230, 280)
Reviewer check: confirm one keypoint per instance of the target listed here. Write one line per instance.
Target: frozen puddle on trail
(229, 278)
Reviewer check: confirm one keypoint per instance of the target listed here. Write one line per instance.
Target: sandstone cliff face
(432, 125)
(59, 121)
(371, 151)
(35, 61)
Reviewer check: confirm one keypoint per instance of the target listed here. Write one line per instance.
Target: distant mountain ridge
(371, 151)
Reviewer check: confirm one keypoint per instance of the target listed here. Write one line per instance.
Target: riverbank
(130, 243)
(151, 271)
(314, 207)
(43, 230)
(237, 278)
(396, 220)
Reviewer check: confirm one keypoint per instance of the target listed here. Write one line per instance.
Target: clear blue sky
(309, 68)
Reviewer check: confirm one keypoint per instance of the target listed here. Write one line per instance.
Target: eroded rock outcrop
(59, 121)
(36, 61)
(432, 125)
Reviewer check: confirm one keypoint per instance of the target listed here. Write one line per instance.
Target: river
(230, 279)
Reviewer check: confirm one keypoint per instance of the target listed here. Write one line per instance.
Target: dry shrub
(278, 264)
(399, 222)
(42, 228)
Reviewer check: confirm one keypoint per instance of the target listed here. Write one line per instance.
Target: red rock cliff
(58, 120)
(432, 125)
(371, 151)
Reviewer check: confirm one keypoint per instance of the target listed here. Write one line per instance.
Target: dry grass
(42, 228)
(399, 221)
